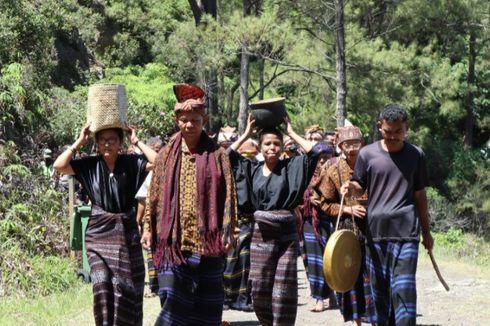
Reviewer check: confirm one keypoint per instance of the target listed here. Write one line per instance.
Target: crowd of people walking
(224, 219)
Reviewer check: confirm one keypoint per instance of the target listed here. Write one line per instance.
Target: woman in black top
(112, 239)
(275, 187)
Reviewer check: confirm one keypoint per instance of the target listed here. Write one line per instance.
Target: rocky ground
(465, 303)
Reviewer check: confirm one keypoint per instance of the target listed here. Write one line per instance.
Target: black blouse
(282, 189)
(114, 192)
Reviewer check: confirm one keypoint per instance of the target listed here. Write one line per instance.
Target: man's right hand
(146, 240)
(345, 188)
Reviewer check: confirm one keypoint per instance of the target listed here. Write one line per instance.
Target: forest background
(431, 56)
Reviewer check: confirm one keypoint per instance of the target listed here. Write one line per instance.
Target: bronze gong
(342, 260)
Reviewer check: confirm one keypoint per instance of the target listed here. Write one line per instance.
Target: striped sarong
(116, 268)
(237, 269)
(152, 273)
(314, 249)
(273, 271)
(392, 266)
(358, 302)
(192, 293)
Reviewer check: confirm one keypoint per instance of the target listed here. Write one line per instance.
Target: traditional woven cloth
(348, 133)
(236, 274)
(187, 202)
(392, 266)
(273, 273)
(192, 293)
(107, 107)
(116, 268)
(314, 248)
(189, 98)
(215, 200)
(359, 302)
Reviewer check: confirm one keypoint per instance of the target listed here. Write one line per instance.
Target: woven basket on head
(107, 107)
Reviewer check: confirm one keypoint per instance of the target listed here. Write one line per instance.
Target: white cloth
(143, 190)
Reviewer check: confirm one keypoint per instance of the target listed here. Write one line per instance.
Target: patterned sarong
(392, 266)
(273, 272)
(237, 269)
(192, 293)
(358, 302)
(314, 257)
(152, 273)
(116, 268)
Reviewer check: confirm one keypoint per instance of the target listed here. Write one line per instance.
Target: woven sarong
(392, 266)
(273, 270)
(116, 268)
(358, 302)
(192, 293)
(237, 269)
(314, 249)
(152, 273)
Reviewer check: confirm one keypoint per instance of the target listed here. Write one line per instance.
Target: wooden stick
(436, 268)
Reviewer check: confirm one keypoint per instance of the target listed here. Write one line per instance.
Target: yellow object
(342, 260)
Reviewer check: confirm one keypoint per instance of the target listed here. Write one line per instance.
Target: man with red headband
(193, 214)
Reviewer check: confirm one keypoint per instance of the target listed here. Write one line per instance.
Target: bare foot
(319, 306)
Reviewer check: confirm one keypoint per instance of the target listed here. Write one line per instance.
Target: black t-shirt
(391, 179)
(114, 192)
(282, 189)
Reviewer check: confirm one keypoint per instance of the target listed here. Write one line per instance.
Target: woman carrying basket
(357, 303)
(112, 238)
(275, 187)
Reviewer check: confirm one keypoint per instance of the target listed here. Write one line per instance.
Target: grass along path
(57, 309)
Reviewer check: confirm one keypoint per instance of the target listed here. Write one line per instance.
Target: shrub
(33, 229)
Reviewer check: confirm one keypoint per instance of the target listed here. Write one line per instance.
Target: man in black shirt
(395, 175)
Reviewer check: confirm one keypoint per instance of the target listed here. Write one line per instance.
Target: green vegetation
(454, 245)
(60, 308)
(431, 56)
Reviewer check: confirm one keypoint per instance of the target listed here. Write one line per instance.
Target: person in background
(193, 205)
(226, 136)
(112, 238)
(156, 144)
(315, 231)
(275, 187)
(358, 302)
(237, 269)
(314, 134)
(394, 173)
(290, 148)
(330, 137)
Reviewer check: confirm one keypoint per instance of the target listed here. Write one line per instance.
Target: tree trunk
(261, 78)
(200, 7)
(341, 112)
(212, 95)
(470, 114)
(249, 7)
(231, 102)
(243, 108)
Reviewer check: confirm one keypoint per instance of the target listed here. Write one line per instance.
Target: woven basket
(107, 107)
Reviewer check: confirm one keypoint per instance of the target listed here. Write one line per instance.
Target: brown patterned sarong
(116, 268)
(273, 270)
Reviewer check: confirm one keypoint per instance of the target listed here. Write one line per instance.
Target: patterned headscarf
(190, 97)
(348, 133)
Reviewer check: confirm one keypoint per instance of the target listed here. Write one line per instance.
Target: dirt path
(465, 304)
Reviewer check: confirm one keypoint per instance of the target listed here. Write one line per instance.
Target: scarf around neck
(215, 199)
